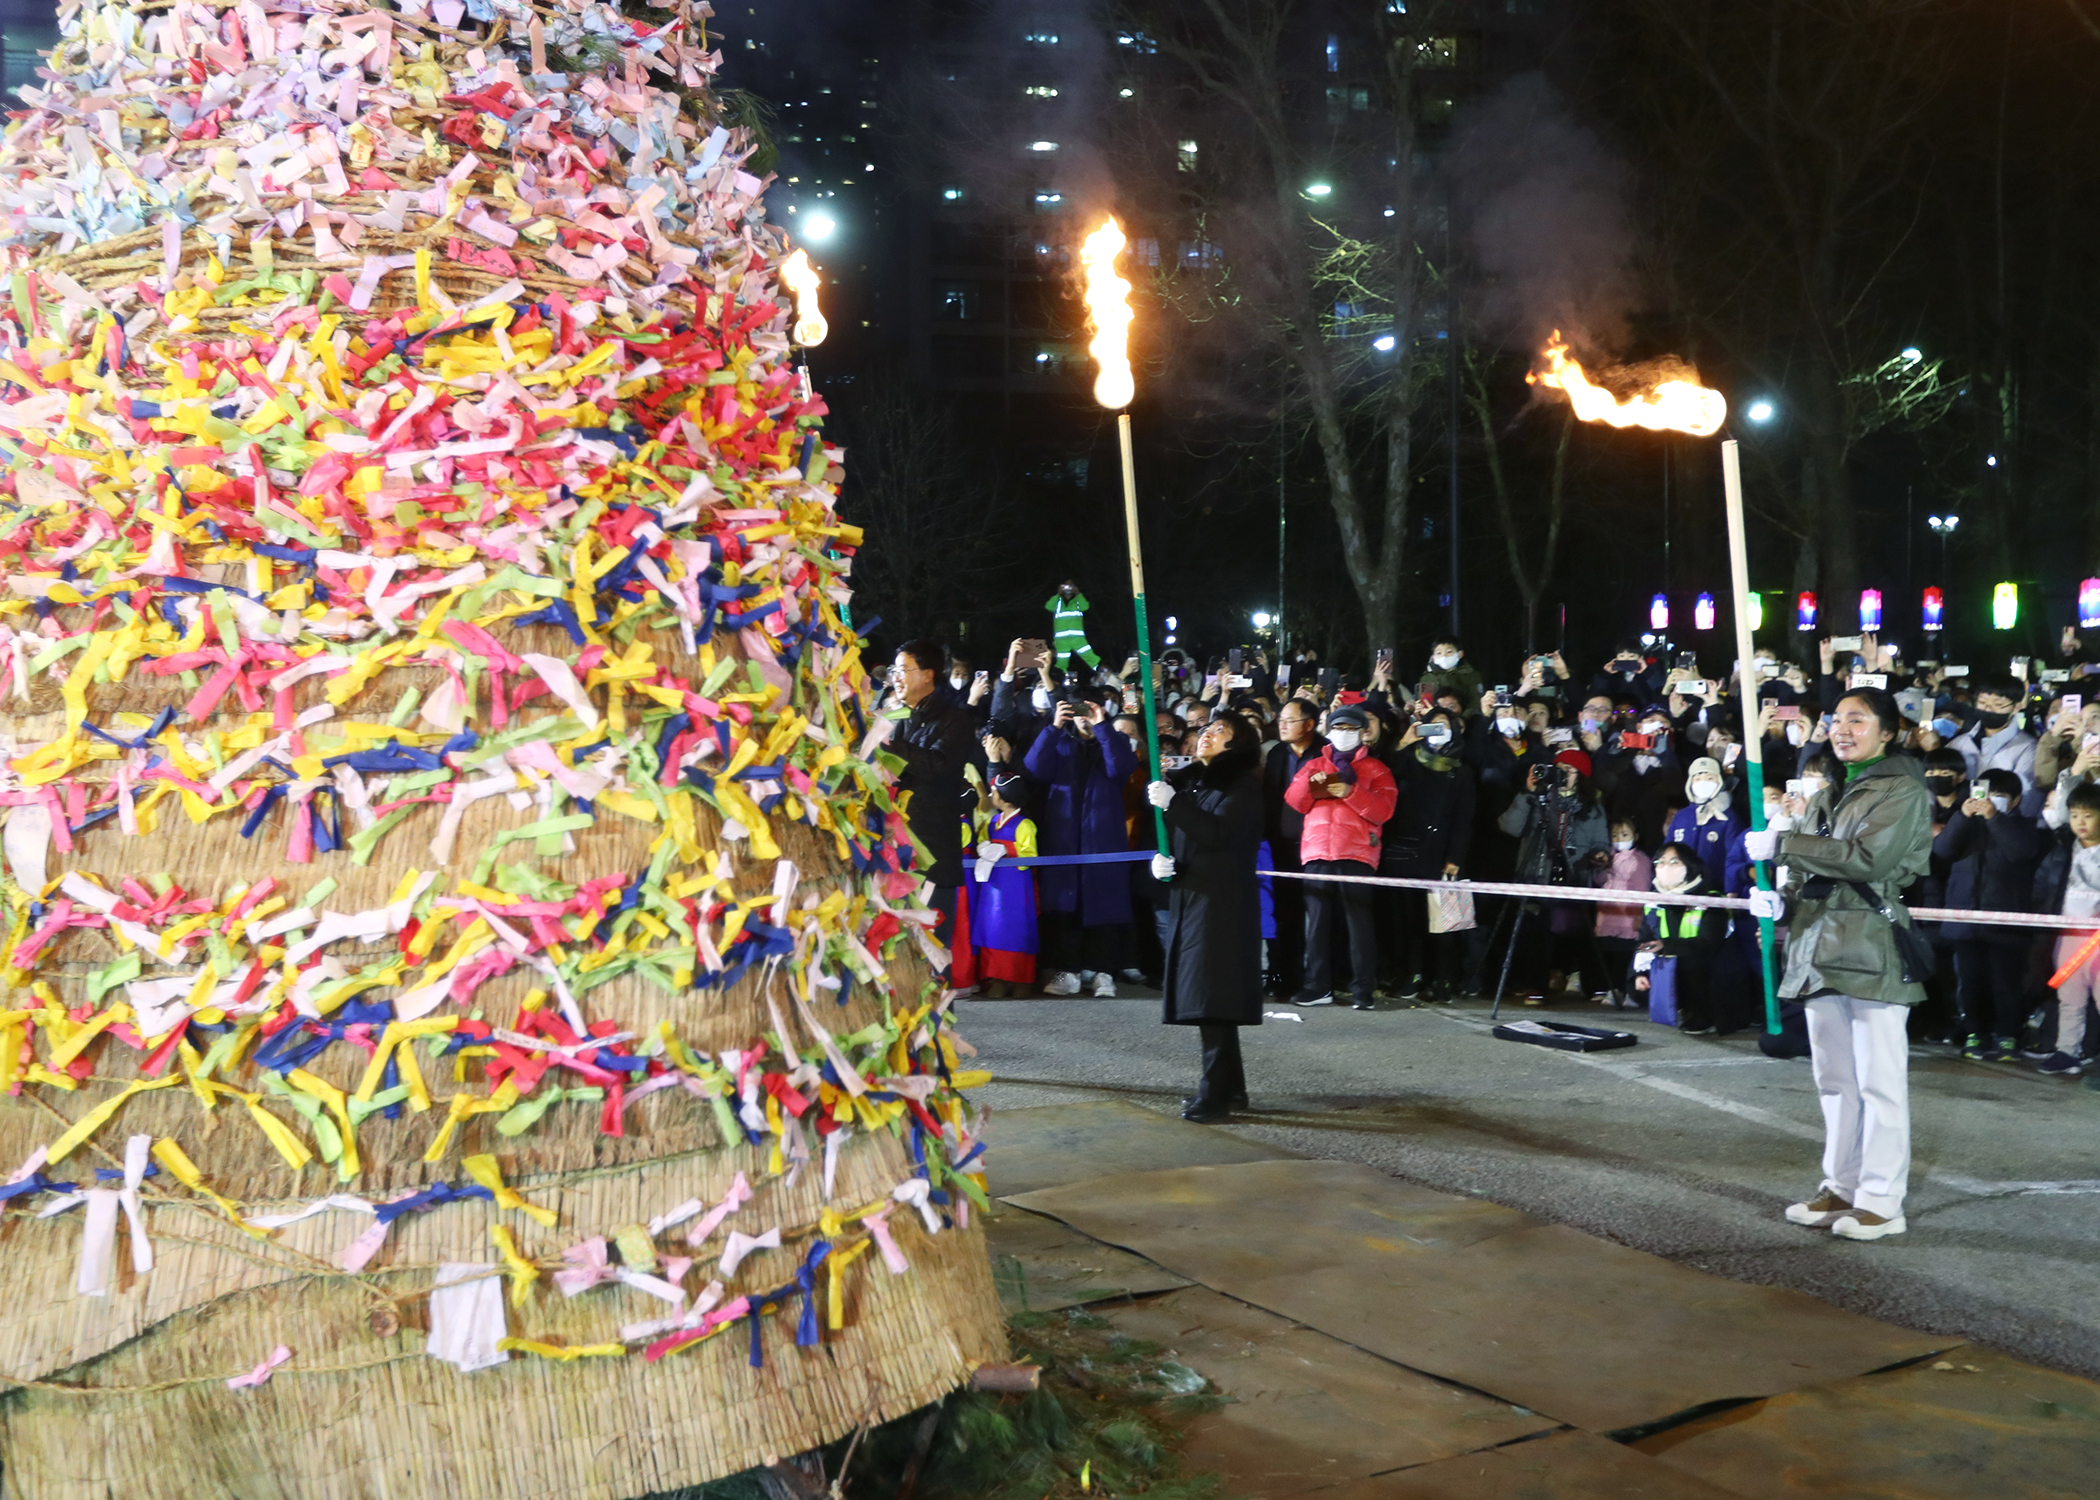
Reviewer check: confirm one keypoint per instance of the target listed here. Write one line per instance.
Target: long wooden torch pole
(1144, 626)
(1746, 689)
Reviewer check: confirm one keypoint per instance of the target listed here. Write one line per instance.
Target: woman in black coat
(1429, 837)
(1213, 946)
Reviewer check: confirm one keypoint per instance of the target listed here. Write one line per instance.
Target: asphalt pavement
(1686, 1147)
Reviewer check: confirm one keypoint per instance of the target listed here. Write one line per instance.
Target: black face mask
(1941, 785)
(1624, 668)
(1993, 720)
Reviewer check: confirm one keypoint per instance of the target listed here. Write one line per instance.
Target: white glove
(1162, 864)
(1159, 793)
(1779, 823)
(1763, 845)
(1643, 962)
(1769, 905)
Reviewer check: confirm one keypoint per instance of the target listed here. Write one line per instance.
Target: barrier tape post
(1746, 670)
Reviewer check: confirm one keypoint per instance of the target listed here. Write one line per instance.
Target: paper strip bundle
(467, 1022)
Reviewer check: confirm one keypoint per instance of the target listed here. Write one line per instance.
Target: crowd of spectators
(1629, 777)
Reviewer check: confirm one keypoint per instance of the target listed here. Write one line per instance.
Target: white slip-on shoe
(1104, 985)
(1862, 1225)
(1819, 1212)
(1062, 984)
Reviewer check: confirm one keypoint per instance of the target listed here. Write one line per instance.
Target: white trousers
(2081, 989)
(1861, 1053)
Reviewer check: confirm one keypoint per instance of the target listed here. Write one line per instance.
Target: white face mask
(2001, 803)
(1669, 877)
(1509, 728)
(1444, 661)
(1345, 740)
(1622, 845)
(1437, 734)
(1795, 734)
(1704, 791)
(1659, 731)
(1041, 699)
(957, 681)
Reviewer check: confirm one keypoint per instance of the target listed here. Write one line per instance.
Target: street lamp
(1318, 189)
(1261, 619)
(819, 228)
(1943, 528)
(1760, 411)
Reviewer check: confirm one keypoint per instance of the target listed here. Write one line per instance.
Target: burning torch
(1108, 309)
(1672, 400)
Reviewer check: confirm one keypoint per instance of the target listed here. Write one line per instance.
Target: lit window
(1137, 41)
(1042, 145)
(1049, 201)
(1040, 91)
(1185, 156)
(1041, 38)
(952, 194)
(1437, 52)
(1125, 93)
(1334, 54)
(1146, 251)
(1197, 254)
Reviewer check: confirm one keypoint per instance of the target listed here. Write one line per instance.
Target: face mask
(1345, 740)
(1942, 785)
(1669, 877)
(1041, 699)
(1136, 744)
(1622, 845)
(1437, 734)
(958, 682)
(1704, 791)
(1993, 720)
(1946, 729)
(1795, 734)
(1813, 784)
(1659, 731)
(2000, 803)
(1509, 729)
(1444, 661)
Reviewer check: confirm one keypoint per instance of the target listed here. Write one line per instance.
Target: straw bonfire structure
(468, 1026)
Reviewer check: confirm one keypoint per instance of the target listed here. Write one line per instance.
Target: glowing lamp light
(1805, 611)
(1659, 613)
(2005, 606)
(1703, 612)
(1935, 611)
(1261, 619)
(1757, 611)
(1108, 309)
(2089, 604)
(1869, 610)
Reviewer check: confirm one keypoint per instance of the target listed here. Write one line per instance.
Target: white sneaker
(1819, 1212)
(1062, 984)
(1861, 1225)
(1104, 985)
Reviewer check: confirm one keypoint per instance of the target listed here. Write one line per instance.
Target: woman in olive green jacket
(1843, 962)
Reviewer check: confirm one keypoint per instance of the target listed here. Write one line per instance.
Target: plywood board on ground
(1041, 1264)
(1600, 1336)
(1307, 1411)
(1970, 1425)
(1053, 1144)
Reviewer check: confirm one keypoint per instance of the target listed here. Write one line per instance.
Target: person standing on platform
(1851, 851)
(1213, 947)
(934, 741)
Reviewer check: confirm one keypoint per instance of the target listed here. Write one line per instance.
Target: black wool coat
(1213, 948)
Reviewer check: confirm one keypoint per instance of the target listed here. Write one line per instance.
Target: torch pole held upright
(1746, 689)
(1144, 626)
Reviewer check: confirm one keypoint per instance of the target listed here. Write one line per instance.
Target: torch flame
(1665, 405)
(801, 277)
(1108, 309)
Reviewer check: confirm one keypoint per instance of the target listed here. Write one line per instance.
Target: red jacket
(1343, 827)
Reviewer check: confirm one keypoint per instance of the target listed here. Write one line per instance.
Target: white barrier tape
(1669, 898)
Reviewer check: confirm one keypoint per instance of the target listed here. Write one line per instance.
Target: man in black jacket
(935, 744)
(1282, 825)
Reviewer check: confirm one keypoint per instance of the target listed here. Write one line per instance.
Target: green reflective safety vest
(1688, 920)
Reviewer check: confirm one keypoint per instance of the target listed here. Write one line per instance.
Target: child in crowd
(2069, 881)
(1992, 853)
(1679, 943)
(1002, 896)
(1619, 927)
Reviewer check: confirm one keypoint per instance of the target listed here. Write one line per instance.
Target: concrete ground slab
(1308, 1411)
(1594, 1334)
(1971, 1425)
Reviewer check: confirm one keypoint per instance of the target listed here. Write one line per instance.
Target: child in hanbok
(1002, 896)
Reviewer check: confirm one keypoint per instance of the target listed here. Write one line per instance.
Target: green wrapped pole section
(1144, 626)
(1746, 691)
